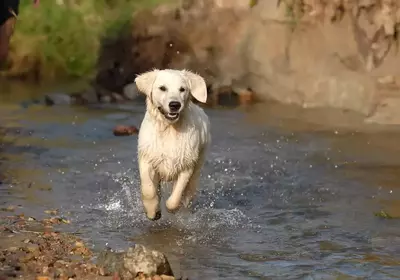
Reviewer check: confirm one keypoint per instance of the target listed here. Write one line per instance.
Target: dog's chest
(172, 151)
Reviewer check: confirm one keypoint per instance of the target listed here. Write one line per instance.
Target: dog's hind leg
(150, 183)
(191, 188)
(174, 201)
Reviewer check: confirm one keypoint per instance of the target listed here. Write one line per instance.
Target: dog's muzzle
(169, 116)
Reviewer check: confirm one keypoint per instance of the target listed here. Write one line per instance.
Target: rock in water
(57, 99)
(112, 262)
(135, 260)
(122, 130)
(130, 91)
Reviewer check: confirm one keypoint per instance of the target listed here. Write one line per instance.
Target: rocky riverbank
(338, 55)
(35, 249)
(312, 54)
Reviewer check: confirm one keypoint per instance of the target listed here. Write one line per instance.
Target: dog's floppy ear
(198, 87)
(145, 81)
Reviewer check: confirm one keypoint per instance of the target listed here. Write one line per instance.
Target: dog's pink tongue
(36, 2)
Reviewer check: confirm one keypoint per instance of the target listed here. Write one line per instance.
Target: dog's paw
(156, 217)
(171, 208)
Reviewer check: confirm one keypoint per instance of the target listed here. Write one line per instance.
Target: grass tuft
(56, 40)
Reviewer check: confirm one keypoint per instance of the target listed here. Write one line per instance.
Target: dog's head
(169, 90)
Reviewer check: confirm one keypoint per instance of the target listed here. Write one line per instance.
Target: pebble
(12, 249)
(105, 99)
(42, 278)
(32, 248)
(61, 263)
(122, 130)
(79, 244)
(10, 208)
(26, 258)
(130, 91)
(90, 96)
(58, 99)
(101, 271)
(51, 212)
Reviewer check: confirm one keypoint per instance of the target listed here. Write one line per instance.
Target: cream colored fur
(171, 150)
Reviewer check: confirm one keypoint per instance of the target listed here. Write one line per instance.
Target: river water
(280, 197)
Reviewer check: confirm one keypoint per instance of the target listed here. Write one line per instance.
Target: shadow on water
(281, 196)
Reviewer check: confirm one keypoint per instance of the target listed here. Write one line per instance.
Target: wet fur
(171, 151)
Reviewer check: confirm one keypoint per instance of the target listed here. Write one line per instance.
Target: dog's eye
(162, 88)
(181, 89)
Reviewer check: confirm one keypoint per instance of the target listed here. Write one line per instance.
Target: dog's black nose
(174, 106)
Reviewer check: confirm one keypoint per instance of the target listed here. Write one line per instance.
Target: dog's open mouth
(169, 116)
(172, 116)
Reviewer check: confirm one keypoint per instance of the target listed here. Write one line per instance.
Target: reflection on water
(280, 198)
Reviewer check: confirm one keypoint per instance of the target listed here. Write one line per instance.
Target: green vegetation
(383, 214)
(64, 39)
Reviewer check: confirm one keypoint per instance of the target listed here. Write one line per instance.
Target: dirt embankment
(313, 53)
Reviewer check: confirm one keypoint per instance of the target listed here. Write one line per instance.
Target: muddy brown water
(281, 196)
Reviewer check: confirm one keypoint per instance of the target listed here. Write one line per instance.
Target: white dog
(173, 137)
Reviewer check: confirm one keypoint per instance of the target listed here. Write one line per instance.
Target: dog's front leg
(150, 182)
(191, 188)
(174, 201)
